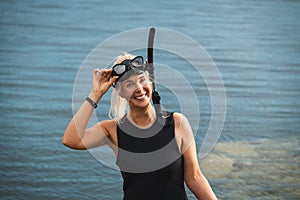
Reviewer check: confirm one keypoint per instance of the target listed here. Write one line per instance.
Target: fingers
(104, 75)
(112, 80)
(97, 71)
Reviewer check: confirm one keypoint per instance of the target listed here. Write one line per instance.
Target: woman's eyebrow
(128, 81)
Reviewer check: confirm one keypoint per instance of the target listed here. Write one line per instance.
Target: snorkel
(155, 94)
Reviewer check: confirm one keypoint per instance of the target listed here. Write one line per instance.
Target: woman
(155, 156)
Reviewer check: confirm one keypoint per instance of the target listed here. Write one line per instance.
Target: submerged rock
(242, 165)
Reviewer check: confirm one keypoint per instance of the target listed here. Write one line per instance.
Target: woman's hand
(102, 81)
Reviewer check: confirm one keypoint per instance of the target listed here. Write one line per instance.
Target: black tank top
(150, 162)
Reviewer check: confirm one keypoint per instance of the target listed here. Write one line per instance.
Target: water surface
(255, 45)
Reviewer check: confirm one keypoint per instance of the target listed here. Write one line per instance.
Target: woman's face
(137, 90)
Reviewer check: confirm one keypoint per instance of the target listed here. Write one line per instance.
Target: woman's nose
(139, 87)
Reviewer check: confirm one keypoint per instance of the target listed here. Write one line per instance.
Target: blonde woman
(155, 158)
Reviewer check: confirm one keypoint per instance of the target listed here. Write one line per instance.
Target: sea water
(254, 44)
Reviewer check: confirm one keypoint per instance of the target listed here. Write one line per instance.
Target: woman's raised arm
(76, 135)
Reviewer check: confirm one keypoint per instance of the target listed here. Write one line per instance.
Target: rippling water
(255, 45)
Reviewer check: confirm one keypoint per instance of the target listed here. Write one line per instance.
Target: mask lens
(119, 69)
(138, 62)
(137, 65)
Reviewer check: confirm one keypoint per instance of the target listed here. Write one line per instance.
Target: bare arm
(76, 135)
(193, 176)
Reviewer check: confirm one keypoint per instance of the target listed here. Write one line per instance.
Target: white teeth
(140, 97)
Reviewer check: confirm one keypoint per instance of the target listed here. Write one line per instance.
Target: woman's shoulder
(181, 122)
(179, 118)
(109, 126)
(108, 123)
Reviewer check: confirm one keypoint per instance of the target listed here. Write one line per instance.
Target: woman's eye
(142, 80)
(129, 85)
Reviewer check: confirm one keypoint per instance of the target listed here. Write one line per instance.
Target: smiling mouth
(141, 97)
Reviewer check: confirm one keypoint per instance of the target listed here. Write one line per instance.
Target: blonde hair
(119, 106)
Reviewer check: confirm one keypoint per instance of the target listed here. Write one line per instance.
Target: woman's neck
(141, 117)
